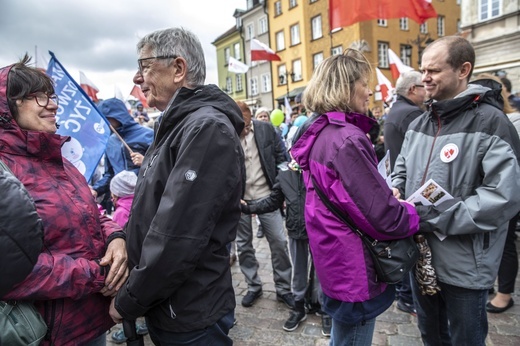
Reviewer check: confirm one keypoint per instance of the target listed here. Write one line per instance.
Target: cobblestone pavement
(261, 324)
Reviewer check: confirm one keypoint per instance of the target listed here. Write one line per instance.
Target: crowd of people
(184, 196)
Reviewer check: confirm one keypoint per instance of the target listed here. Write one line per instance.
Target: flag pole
(121, 139)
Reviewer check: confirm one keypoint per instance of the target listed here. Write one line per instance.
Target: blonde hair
(331, 87)
(507, 106)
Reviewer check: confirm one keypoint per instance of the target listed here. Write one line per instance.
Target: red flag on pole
(344, 13)
(384, 84)
(90, 88)
(396, 65)
(138, 94)
(260, 51)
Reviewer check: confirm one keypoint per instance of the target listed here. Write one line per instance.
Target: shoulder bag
(393, 259)
(21, 324)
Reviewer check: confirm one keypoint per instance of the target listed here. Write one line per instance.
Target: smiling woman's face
(33, 117)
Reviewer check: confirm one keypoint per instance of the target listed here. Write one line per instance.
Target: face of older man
(157, 79)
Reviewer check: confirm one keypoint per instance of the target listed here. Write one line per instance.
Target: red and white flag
(343, 13)
(138, 94)
(260, 51)
(384, 84)
(90, 88)
(396, 65)
(237, 66)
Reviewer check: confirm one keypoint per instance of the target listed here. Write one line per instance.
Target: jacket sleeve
(188, 211)
(361, 192)
(268, 204)
(103, 185)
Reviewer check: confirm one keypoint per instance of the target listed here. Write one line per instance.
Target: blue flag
(79, 118)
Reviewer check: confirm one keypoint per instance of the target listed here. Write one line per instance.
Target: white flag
(236, 66)
(288, 111)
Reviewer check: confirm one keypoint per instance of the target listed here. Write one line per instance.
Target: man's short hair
(459, 49)
(178, 42)
(406, 80)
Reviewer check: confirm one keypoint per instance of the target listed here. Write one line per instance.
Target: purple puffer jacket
(337, 152)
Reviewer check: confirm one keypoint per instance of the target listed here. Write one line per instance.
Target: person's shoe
(250, 298)
(326, 325)
(232, 259)
(294, 320)
(260, 233)
(406, 307)
(491, 290)
(287, 299)
(496, 310)
(118, 336)
(141, 328)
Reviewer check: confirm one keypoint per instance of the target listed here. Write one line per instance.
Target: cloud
(99, 37)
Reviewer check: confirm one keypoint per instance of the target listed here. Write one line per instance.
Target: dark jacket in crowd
(185, 212)
(289, 186)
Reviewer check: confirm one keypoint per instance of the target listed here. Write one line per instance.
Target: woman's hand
(117, 258)
(137, 158)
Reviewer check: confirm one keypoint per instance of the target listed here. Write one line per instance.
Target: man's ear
(181, 69)
(465, 70)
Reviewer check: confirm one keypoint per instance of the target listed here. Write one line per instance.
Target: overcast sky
(98, 37)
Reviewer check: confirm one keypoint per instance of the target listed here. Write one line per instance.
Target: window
(262, 25)
(337, 50)
(311, 1)
(229, 85)
(227, 54)
(293, 3)
(316, 27)
(282, 71)
(253, 82)
(403, 24)
(406, 54)
(250, 4)
(295, 34)
(488, 9)
(440, 26)
(250, 31)
(280, 41)
(317, 59)
(238, 80)
(236, 48)
(382, 54)
(382, 22)
(297, 70)
(423, 28)
(266, 82)
(277, 8)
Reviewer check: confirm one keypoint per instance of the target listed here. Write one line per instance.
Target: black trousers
(509, 264)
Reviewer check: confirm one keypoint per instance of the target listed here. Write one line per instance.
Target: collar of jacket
(362, 121)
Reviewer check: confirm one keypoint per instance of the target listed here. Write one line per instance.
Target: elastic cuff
(115, 235)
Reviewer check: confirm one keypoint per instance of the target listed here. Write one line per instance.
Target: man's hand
(92, 191)
(114, 314)
(116, 257)
(137, 158)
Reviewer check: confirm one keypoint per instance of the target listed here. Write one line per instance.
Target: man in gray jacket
(466, 145)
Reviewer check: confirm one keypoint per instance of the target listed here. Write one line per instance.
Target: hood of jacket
(478, 92)
(189, 100)
(116, 109)
(308, 133)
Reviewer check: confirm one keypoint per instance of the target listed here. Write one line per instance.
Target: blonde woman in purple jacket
(334, 148)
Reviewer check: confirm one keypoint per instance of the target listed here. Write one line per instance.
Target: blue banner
(79, 118)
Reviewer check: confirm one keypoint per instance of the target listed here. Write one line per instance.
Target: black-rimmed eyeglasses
(42, 99)
(140, 61)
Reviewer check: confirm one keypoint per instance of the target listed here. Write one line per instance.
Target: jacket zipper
(149, 165)
(431, 149)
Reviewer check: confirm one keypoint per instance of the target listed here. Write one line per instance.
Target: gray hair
(406, 80)
(182, 43)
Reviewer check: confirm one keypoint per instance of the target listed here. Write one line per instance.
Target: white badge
(449, 152)
(190, 175)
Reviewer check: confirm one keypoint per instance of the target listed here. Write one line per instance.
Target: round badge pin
(449, 152)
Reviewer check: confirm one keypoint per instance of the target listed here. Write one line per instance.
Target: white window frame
(282, 71)
(382, 54)
(441, 20)
(488, 9)
(337, 50)
(423, 28)
(227, 54)
(403, 24)
(316, 25)
(236, 49)
(295, 34)
(293, 3)
(297, 70)
(317, 59)
(382, 22)
(277, 8)
(253, 83)
(238, 81)
(266, 82)
(250, 31)
(262, 25)
(280, 40)
(405, 58)
(229, 85)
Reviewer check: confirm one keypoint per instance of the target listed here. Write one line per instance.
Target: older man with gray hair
(408, 106)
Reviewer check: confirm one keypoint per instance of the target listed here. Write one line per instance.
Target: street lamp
(283, 79)
(419, 41)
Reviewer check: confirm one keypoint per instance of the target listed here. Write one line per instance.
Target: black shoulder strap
(342, 216)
